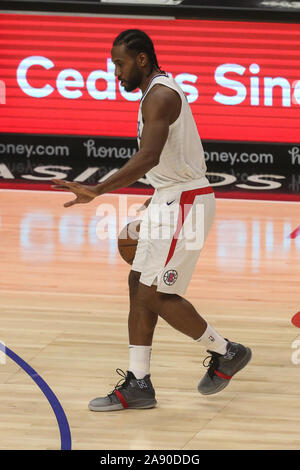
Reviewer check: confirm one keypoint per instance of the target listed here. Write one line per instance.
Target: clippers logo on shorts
(170, 277)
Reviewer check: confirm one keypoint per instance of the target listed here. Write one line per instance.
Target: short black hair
(139, 41)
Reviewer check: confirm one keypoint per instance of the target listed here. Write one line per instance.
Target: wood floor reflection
(64, 306)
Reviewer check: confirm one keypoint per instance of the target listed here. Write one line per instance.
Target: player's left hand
(84, 194)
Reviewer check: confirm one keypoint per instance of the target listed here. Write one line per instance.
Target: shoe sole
(119, 407)
(224, 384)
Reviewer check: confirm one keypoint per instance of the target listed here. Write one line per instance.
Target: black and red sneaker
(132, 393)
(223, 367)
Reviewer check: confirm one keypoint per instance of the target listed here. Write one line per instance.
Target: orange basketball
(128, 240)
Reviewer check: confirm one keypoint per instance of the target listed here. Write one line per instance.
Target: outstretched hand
(83, 193)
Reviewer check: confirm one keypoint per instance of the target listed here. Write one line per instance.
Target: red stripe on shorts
(121, 398)
(187, 199)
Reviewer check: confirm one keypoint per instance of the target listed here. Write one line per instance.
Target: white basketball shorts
(172, 234)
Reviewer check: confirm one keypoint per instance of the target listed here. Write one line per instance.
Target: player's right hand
(84, 194)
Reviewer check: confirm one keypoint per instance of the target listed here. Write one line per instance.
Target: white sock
(139, 360)
(213, 341)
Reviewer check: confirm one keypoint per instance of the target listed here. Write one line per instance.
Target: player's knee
(133, 277)
(162, 296)
(133, 281)
(143, 296)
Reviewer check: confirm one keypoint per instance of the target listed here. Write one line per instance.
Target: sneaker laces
(213, 363)
(123, 382)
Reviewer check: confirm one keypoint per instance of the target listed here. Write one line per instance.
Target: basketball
(128, 240)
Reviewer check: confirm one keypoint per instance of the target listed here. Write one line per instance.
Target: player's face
(127, 69)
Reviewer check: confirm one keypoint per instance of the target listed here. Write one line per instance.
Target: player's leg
(141, 326)
(227, 357)
(166, 299)
(137, 390)
(141, 321)
(179, 313)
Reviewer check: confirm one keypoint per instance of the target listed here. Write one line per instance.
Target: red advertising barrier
(242, 79)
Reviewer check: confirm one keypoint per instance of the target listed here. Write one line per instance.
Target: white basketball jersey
(182, 158)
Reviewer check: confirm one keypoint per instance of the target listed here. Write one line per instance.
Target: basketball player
(171, 155)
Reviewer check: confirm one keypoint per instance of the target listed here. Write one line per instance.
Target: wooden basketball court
(64, 306)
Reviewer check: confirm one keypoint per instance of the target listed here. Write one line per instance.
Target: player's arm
(156, 111)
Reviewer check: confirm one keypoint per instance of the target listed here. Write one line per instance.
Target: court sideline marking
(65, 434)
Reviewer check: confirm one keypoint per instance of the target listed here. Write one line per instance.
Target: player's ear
(142, 59)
